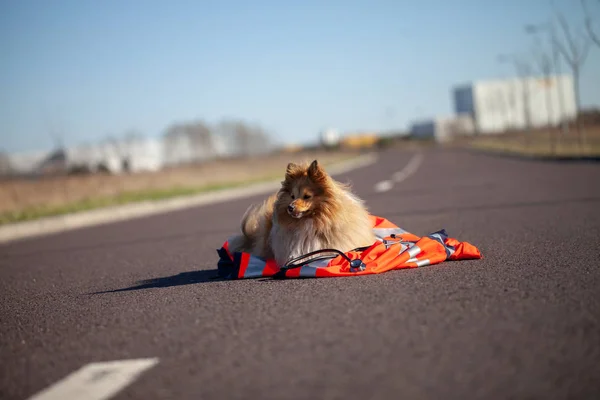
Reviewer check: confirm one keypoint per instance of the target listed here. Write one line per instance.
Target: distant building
(443, 129)
(123, 155)
(144, 154)
(292, 148)
(27, 162)
(330, 138)
(359, 140)
(185, 143)
(515, 104)
(133, 154)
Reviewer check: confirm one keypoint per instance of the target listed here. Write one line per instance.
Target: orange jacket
(395, 249)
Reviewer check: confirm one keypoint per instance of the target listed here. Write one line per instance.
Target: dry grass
(25, 199)
(542, 143)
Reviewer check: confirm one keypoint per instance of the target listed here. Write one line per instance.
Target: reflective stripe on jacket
(395, 248)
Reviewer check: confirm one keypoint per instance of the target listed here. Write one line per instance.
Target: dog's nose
(291, 208)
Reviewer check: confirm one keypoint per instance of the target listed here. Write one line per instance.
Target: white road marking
(384, 186)
(409, 169)
(96, 381)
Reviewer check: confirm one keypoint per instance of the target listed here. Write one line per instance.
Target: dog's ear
(314, 170)
(290, 168)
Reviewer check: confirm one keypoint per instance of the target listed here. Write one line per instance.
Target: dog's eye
(306, 197)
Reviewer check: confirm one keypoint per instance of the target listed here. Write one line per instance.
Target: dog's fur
(311, 211)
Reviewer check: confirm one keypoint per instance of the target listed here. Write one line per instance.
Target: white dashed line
(384, 186)
(96, 381)
(408, 170)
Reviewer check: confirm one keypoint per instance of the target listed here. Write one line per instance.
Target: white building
(501, 105)
(330, 137)
(136, 154)
(26, 162)
(123, 155)
(443, 129)
(144, 154)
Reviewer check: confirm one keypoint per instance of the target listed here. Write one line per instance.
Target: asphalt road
(523, 322)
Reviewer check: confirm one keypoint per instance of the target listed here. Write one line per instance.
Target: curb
(48, 225)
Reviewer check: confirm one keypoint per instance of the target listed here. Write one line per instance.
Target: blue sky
(83, 70)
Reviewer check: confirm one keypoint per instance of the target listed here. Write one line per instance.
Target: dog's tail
(249, 226)
(255, 214)
(250, 220)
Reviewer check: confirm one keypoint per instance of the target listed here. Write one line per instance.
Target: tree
(4, 163)
(242, 138)
(178, 149)
(523, 70)
(511, 102)
(132, 136)
(594, 37)
(544, 63)
(116, 154)
(189, 142)
(173, 145)
(574, 52)
(200, 139)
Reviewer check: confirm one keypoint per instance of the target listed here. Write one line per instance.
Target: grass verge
(33, 213)
(547, 144)
(538, 149)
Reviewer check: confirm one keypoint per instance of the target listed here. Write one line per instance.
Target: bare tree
(178, 149)
(243, 138)
(260, 140)
(132, 136)
(512, 104)
(523, 70)
(201, 140)
(172, 141)
(116, 151)
(574, 52)
(4, 164)
(544, 64)
(594, 37)
(504, 105)
(56, 131)
(189, 142)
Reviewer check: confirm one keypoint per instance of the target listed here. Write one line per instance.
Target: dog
(311, 211)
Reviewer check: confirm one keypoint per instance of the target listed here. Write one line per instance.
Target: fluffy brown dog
(311, 211)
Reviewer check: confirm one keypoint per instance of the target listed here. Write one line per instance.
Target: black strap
(356, 264)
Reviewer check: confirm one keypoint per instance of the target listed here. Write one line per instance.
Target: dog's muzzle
(293, 213)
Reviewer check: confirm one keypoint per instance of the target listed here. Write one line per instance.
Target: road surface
(523, 322)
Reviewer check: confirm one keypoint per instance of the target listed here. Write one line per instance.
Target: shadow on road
(184, 278)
